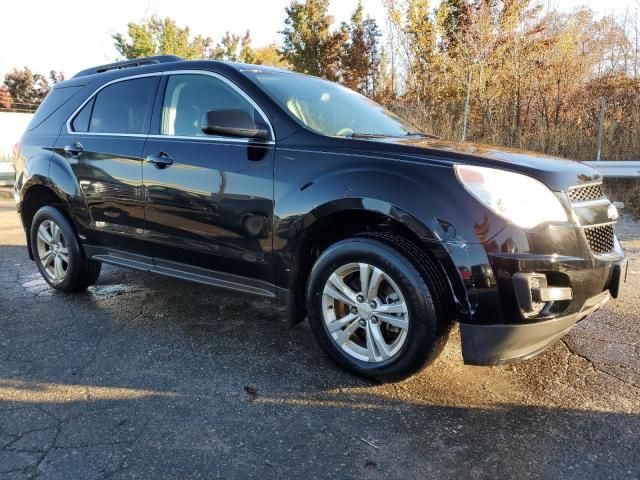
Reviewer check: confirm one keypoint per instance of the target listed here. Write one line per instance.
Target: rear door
(212, 208)
(103, 143)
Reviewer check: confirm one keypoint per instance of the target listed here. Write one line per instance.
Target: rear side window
(122, 107)
(56, 98)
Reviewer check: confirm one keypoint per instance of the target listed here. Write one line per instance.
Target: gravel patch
(628, 230)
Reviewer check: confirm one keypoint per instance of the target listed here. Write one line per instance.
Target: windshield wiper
(389, 135)
(368, 135)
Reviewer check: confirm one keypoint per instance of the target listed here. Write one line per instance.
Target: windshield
(329, 108)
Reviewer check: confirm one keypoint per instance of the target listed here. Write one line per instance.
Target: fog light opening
(534, 294)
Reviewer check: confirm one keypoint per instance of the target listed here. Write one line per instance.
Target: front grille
(600, 238)
(586, 193)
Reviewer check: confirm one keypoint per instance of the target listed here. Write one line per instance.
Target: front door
(209, 199)
(103, 145)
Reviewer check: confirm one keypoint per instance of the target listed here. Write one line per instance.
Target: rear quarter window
(81, 121)
(56, 98)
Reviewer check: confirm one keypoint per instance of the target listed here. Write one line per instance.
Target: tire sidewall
(76, 256)
(421, 337)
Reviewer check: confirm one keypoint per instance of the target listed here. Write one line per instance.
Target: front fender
(393, 195)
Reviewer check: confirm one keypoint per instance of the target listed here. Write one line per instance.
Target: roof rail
(137, 62)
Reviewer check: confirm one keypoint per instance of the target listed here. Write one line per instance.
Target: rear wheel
(373, 310)
(58, 254)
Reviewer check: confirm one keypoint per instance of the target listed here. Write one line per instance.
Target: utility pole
(466, 108)
(603, 106)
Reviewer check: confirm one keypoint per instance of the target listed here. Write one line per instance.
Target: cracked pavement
(150, 377)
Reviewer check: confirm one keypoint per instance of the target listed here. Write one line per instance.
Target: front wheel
(372, 310)
(58, 254)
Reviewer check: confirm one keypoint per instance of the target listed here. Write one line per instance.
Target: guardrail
(617, 169)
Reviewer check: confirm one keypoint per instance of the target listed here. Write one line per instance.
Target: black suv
(294, 188)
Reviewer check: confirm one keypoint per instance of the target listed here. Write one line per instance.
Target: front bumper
(498, 344)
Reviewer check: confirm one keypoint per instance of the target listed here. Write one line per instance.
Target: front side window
(122, 107)
(189, 97)
(329, 108)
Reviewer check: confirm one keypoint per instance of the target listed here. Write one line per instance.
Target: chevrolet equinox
(294, 188)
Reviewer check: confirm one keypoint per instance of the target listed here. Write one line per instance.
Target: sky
(70, 35)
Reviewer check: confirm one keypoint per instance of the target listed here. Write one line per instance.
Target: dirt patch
(5, 193)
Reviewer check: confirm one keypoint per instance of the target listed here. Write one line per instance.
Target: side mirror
(232, 123)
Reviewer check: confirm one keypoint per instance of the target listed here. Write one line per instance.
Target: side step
(182, 271)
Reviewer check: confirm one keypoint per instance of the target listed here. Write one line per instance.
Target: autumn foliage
(532, 77)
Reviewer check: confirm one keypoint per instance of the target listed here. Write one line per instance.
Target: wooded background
(533, 78)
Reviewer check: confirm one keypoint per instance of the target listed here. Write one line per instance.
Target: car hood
(557, 173)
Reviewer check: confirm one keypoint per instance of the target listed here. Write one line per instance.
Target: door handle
(74, 150)
(162, 160)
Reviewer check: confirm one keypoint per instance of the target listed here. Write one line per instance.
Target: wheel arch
(34, 197)
(344, 218)
(48, 180)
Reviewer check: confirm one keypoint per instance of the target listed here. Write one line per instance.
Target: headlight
(520, 199)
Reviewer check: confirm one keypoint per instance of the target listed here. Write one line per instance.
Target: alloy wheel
(365, 312)
(53, 252)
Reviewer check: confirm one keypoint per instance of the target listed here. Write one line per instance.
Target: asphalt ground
(148, 377)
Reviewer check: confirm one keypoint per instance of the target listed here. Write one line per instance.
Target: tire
(58, 254)
(408, 344)
(94, 272)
